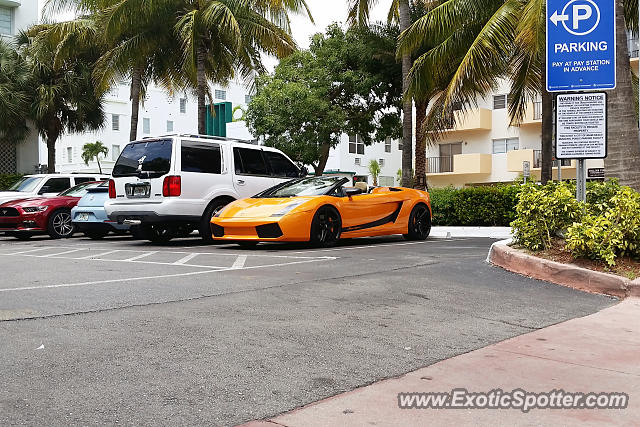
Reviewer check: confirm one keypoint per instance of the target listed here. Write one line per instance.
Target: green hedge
(7, 180)
(480, 206)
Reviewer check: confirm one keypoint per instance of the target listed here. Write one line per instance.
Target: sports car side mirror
(352, 191)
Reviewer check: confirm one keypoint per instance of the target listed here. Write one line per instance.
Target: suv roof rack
(195, 135)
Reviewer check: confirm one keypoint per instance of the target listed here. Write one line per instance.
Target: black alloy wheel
(419, 223)
(325, 227)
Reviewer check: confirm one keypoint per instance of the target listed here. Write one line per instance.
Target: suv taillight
(172, 186)
(112, 189)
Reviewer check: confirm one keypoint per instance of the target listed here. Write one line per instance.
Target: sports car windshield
(316, 186)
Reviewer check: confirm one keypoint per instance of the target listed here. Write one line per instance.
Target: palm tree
(62, 97)
(484, 41)
(359, 11)
(220, 36)
(14, 94)
(137, 40)
(93, 150)
(374, 170)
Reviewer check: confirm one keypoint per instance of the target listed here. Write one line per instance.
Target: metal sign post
(526, 170)
(581, 181)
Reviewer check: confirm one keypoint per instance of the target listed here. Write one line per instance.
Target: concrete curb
(572, 276)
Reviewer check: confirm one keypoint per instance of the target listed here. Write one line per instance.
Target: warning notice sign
(581, 126)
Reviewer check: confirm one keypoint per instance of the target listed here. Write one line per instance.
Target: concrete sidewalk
(597, 353)
(453, 232)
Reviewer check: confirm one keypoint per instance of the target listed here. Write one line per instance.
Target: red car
(23, 218)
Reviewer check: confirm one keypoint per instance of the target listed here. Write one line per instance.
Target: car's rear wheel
(326, 227)
(60, 225)
(158, 233)
(205, 223)
(96, 234)
(419, 223)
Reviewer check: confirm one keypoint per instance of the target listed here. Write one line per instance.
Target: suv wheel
(158, 233)
(205, 222)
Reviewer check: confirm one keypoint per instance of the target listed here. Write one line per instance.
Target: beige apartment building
(484, 148)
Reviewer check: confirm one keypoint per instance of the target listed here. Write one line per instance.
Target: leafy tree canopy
(347, 82)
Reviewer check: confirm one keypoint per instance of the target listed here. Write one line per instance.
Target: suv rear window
(144, 156)
(249, 162)
(201, 157)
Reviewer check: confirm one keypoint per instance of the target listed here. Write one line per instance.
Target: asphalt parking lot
(123, 331)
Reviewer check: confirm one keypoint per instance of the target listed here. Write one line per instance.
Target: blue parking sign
(581, 45)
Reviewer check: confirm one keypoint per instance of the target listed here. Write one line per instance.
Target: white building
(16, 15)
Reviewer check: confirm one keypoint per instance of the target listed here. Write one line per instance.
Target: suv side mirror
(303, 172)
(352, 191)
(44, 189)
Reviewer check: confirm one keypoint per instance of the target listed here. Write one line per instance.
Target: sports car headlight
(34, 209)
(288, 208)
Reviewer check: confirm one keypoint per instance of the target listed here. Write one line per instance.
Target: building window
(381, 162)
(504, 145)
(220, 94)
(69, 155)
(115, 122)
(387, 145)
(355, 145)
(358, 161)
(247, 99)
(400, 145)
(115, 152)
(183, 105)
(146, 126)
(169, 125)
(385, 181)
(499, 102)
(6, 20)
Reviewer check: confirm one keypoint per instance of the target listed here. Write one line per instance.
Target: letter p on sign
(577, 16)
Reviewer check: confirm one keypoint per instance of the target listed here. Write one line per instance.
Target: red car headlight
(35, 209)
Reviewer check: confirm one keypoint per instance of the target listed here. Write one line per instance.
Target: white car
(46, 185)
(171, 185)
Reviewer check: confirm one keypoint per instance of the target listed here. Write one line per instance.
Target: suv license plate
(138, 191)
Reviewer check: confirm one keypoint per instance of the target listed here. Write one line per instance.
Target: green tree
(93, 150)
(340, 85)
(481, 42)
(14, 94)
(62, 97)
(374, 170)
(400, 11)
(220, 36)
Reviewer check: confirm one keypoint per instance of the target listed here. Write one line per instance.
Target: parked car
(89, 216)
(321, 210)
(39, 215)
(46, 185)
(169, 186)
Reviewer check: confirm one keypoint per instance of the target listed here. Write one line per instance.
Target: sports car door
(365, 212)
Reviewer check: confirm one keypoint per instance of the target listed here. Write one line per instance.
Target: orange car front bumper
(288, 228)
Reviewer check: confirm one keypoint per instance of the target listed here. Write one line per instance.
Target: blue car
(90, 217)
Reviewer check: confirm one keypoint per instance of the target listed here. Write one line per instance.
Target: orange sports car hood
(264, 207)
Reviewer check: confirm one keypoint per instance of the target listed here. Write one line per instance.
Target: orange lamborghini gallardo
(322, 210)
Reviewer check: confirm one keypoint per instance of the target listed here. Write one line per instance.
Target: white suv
(46, 185)
(170, 185)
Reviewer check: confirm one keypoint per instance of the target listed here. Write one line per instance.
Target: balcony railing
(537, 110)
(440, 164)
(537, 160)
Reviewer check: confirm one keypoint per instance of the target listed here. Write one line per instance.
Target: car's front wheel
(60, 225)
(419, 223)
(158, 233)
(326, 227)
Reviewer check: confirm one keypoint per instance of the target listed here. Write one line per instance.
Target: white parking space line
(375, 245)
(239, 262)
(57, 254)
(137, 257)
(191, 273)
(185, 259)
(31, 250)
(98, 255)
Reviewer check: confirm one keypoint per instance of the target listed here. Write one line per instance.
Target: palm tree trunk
(546, 168)
(99, 167)
(420, 181)
(407, 106)
(51, 152)
(136, 85)
(623, 160)
(202, 91)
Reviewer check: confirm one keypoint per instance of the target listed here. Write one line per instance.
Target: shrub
(480, 206)
(7, 180)
(612, 232)
(544, 212)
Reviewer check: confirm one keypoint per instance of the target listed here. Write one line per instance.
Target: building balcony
(475, 119)
(533, 114)
(516, 158)
(459, 164)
